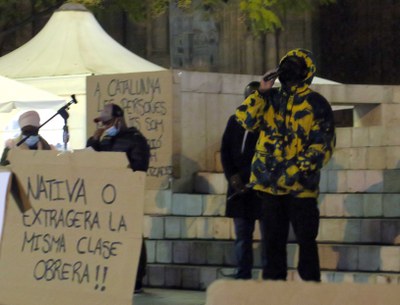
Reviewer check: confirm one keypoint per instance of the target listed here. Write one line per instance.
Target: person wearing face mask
(29, 122)
(297, 138)
(114, 135)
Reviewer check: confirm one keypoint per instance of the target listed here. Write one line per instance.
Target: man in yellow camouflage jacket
(297, 138)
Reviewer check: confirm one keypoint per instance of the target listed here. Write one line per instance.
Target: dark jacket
(234, 161)
(130, 141)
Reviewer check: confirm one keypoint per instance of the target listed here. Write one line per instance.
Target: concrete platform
(153, 296)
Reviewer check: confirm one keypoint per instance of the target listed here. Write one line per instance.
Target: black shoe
(138, 288)
(228, 275)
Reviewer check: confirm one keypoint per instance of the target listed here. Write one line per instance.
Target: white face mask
(112, 131)
(32, 140)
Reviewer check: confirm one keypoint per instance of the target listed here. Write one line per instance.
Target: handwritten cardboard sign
(80, 241)
(146, 99)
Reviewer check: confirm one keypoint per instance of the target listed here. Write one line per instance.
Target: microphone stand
(64, 114)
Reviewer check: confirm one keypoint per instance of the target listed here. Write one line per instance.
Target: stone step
(360, 181)
(200, 277)
(221, 253)
(359, 205)
(332, 181)
(338, 230)
(164, 202)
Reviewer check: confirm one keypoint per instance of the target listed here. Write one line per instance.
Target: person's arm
(4, 160)
(250, 113)
(139, 153)
(322, 138)
(322, 141)
(94, 141)
(226, 149)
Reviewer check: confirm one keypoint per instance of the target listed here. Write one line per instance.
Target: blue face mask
(112, 131)
(32, 140)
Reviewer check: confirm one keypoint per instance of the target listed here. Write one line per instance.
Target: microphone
(73, 99)
(272, 75)
(96, 120)
(247, 187)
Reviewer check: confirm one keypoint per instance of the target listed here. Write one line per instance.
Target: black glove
(237, 183)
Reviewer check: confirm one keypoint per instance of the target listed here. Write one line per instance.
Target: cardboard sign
(146, 99)
(80, 242)
(245, 292)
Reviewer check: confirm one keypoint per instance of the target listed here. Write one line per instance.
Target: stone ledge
(221, 253)
(200, 277)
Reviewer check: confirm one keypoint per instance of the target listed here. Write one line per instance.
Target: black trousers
(277, 213)
(141, 271)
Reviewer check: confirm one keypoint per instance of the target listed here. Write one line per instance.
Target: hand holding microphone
(271, 75)
(268, 79)
(100, 128)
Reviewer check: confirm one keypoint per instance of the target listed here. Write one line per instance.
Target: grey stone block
(390, 258)
(374, 181)
(173, 277)
(157, 228)
(229, 254)
(369, 258)
(214, 205)
(391, 205)
(292, 255)
(372, 205)
(391, 180)
(172, 227)
(156, 275)
(323, 182)
(352, 231)
(164, 251)
(214, 253)
(207, 276)
(353, 205)
(150, 250)
(191, 278)
(362, 278)
(348, 257)
(158, 202)
(187, 204)
(198, 253)
(180, 252)
(257, 255)
(188, 227)
(370, 231)
(390, 230)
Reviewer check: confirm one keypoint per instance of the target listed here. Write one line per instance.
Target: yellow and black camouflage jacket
(297, 136)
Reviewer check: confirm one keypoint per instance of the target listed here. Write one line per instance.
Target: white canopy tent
(71, 46)
(72, 43)
(17, 95)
